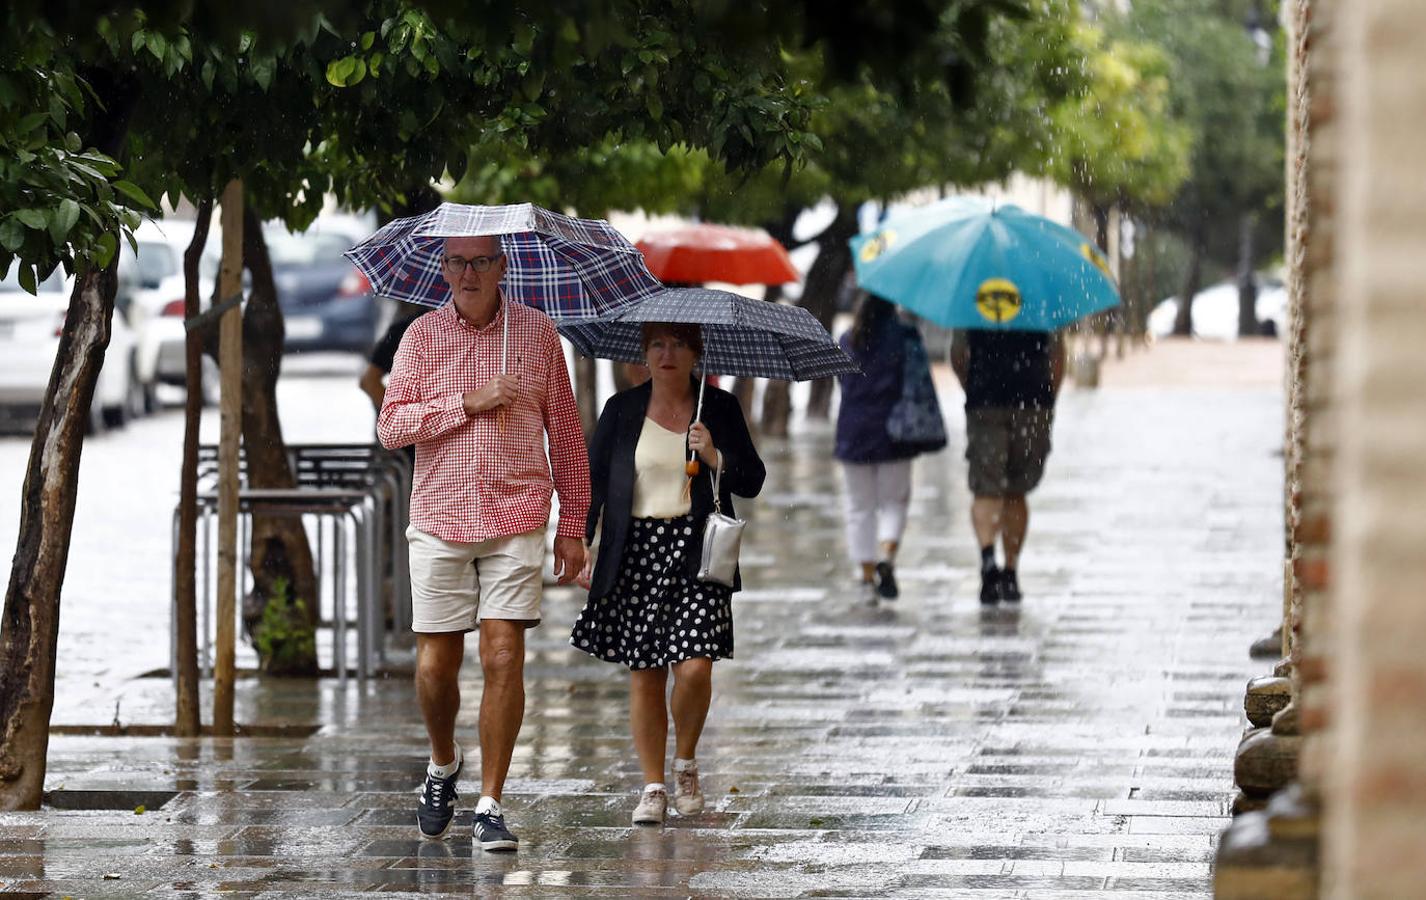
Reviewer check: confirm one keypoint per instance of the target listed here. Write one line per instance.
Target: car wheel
(94, 424)
(136, 396)
(115, 416)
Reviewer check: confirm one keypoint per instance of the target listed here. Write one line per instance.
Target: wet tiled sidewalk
(1078, 745)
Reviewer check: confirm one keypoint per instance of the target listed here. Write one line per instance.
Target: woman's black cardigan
(611, 475)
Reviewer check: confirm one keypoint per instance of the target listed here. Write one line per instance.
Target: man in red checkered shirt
(478, 385)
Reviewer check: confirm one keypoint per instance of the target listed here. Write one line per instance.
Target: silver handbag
(722, 536)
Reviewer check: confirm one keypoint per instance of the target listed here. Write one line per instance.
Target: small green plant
(284, 639)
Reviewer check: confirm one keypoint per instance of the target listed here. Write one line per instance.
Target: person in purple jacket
(877, 468)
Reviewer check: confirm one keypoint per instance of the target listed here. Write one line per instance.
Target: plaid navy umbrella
(564, 266)
(741, 336)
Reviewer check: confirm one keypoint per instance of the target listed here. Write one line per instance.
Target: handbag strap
(717, 476)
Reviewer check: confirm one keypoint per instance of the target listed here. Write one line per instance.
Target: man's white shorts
(454, 584)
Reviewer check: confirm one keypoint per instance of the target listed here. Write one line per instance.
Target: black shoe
(437, 806)
(886, 581)
(990, 585)
(491, 834)
(1009, 586)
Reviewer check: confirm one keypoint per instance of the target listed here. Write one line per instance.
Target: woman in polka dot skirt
(647, 609)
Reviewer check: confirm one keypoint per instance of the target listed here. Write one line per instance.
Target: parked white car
(1215, 311)
(30, 327)
(153, 282)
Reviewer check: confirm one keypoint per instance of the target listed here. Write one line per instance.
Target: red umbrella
(700, 253)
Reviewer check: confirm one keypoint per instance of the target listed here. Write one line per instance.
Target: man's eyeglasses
(456, 265)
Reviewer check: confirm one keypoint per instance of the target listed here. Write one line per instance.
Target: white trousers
(878, 495)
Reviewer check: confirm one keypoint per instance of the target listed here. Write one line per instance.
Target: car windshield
(288, 249)
(156, 261)
(10, 284)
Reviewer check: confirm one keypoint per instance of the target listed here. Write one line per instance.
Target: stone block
(1265, 697)
(1292, 816)
(1252, 865)
(1246, 803)
(1265, 761)
(1267, 647)
(1285, 722)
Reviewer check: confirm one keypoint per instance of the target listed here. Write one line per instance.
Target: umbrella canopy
(565, 266)
(701, 253)
(963, 264)
(741, 336)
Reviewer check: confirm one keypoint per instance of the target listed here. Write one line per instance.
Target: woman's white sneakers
(867, 594)
(687, 795)
(653, 806)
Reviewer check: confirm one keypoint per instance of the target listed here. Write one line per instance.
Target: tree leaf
(64, 219)
(27, 278)
(34, 218)
(339, 70)
(157, 44)
(262, 73)
(134, 193)
(367, 40)
(104, 249)
(12, 234)
(30, 123)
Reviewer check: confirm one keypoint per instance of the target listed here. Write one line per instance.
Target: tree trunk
(586, 392)
(185, 620)
(279, 547)
(819, 294)
(1247, 278)
(1101, 227)
(31, 618)
(775, 396)
(1183, 321)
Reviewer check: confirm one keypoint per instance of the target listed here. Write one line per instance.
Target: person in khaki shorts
(478, 386)
(1011, 380)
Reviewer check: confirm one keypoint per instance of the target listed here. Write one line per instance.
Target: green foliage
(1116, 139)
(879, 139)
(611, 175)
(283, 637)
(59, 201)
(1231, 94)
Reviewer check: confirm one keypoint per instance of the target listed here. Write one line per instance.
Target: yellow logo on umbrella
(1094, 256)
(998, 299)
(877, 244)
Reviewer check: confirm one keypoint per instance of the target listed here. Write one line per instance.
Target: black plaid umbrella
(741, 336)
(565, 266)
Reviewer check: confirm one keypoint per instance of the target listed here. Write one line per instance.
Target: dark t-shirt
(1009, 370)
(383, 355)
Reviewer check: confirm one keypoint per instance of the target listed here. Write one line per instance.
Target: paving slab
(1077, 744)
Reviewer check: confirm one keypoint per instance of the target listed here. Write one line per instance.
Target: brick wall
(1311, 182)
(1373, 772)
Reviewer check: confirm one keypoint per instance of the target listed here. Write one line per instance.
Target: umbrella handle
(698, 411)
(690, 468)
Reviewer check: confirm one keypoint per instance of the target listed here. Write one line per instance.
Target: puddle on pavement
(108, 800)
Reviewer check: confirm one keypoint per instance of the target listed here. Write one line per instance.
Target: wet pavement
(1078, 744)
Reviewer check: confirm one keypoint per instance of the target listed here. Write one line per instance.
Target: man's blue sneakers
(437, 807)
(491, 834)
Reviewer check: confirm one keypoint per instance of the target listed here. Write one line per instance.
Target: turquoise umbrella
(966, 264)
